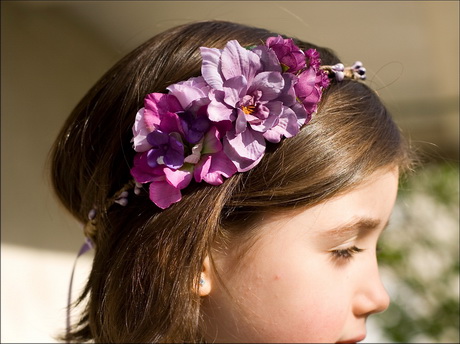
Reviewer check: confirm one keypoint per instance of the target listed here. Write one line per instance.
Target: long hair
(142, 287)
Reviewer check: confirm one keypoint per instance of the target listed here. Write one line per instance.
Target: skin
(301, 281)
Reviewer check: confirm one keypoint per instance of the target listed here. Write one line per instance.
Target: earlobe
(204, 285)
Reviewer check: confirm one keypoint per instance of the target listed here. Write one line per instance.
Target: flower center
(248, 109)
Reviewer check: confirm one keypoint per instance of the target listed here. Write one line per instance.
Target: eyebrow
(355, 226)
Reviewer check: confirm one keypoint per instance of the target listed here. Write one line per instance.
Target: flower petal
(158, 138)
(210, 67)
(289, 54)
(306, 83)
(217, 110)
(163, 194)
(288, 95)
(221, 165)
(241, 122)
(268, 59)
(311, 101)
(140, 132)
(302, 116)
(202, 168)
(155, 157)
(189, 91)
(159, 105)
(270, 83)
(237, 61)
(196, 154)
(287, 126)
(174, 158)
(142, 172)
(211, 142)
(213, 168)
(245, 149)
(235, 88)
(181, 178)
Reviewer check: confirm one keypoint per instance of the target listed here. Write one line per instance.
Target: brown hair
(142, 287)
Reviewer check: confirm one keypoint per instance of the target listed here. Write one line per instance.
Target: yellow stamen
(248, 110)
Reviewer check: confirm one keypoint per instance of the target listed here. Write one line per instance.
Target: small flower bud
(92, 214)
(122, 201)
(339, 76)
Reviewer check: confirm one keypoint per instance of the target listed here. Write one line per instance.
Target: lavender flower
(251, 98)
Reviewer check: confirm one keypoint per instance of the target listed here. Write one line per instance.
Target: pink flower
(292, 59)
(311, 83)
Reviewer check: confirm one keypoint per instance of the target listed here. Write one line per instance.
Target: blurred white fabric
(34, 292)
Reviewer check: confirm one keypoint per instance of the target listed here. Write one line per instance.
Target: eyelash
(346, 253)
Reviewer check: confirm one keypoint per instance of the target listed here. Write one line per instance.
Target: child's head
(242, 239)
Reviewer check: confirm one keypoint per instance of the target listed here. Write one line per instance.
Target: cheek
(310, 306)
(288, 300)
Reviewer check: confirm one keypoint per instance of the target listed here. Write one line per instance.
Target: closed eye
(345, 253)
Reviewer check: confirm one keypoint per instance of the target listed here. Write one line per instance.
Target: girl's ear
(204, 287)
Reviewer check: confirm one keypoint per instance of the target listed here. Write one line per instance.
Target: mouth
(353, 340)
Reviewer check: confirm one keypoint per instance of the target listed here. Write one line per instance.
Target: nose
(371, 296)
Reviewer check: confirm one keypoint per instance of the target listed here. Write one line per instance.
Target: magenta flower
(311, 83)
(161, 192)
(313, 58)
(213, 164)
(290, 56)
(158, 113)
(260, 103)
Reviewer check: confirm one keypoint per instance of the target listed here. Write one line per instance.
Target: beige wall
(52, 52)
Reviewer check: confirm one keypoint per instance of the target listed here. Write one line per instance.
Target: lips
(353, 340)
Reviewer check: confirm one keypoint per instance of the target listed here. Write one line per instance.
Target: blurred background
(52, 52)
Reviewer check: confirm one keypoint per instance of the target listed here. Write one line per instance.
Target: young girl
(234, 184)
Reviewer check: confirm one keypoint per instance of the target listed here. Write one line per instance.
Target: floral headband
(207, 128)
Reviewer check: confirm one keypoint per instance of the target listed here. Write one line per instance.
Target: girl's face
(310, 277)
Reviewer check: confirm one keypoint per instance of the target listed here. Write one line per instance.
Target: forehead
(365, 207)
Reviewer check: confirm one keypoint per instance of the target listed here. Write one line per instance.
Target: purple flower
(193, 97)
(158, 113)
(167, 149)
(292, 59)
(161, 151)
(261, 104)
(176, 145)
(194, 125)
(161, 191)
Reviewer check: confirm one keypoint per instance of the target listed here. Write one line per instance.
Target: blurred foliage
(419, 259)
